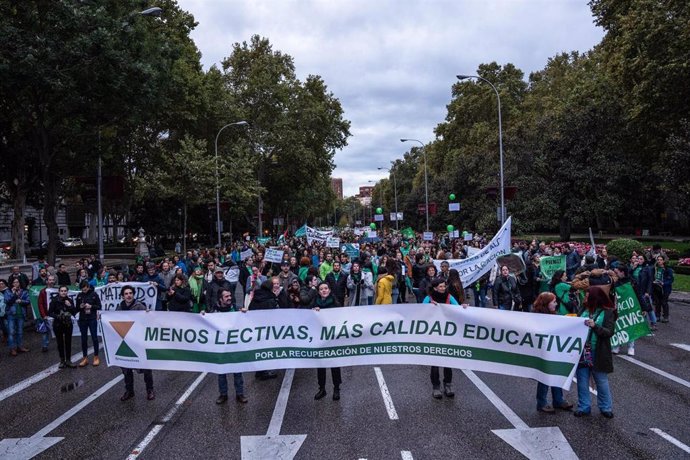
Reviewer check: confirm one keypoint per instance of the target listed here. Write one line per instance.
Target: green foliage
(624, 247)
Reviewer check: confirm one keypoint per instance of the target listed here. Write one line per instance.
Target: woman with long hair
(546, 303)
(597, 361)
(560, 287)
(455, 287)
(429, 275)
(326, 299)
(358, 283)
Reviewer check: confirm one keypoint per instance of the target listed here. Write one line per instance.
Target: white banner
(333, 242)
(244, 255)
(273, 255)
(472, 268)
(317, 235)
(542, 347)
(428, 236)
(110, 299)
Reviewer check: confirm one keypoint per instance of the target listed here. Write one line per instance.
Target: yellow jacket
(384, 290)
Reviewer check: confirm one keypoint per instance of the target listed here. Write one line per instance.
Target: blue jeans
(479, 297)
(652, 317)
(504, 307)
(45, 338)
(395, 294)
(601, 379)
(543, 396)
(16, 329)
(418, 294)
(84, 328)
(223, 384)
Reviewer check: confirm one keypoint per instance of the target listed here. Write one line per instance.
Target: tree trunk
(19, 201)
(565, 228)
(184, 231)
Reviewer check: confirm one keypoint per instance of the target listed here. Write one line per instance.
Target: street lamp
(500, 140)
(237, 123)
(426, 180)
(155, 11)
(395, 191)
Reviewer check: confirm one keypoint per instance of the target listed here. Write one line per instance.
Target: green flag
(550, 265)
(407, 233)
(631, 324)
(301, 232)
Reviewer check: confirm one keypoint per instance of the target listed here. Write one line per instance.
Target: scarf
(357, 279)
(195, 285)
(439, 297)
(328, 302)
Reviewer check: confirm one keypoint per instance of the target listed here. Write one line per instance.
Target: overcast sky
(392, 63)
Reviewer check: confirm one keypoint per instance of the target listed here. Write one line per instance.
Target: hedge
(624, 247)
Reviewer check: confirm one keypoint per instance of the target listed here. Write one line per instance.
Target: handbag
(42, 327)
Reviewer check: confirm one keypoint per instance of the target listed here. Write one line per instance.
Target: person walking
(437, 295)
(225, 305)
(16, 303)
(546, 303)
(62, 309)
(326, 299)
(88, 305)
(597, 360)
(129, 303)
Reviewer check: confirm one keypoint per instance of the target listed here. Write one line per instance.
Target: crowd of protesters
(389, 271)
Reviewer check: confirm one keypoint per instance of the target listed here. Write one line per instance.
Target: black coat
(180, 300)
(92, 299)
(212, 290)
(307, 297)
(506, 292)
(58, 306)
(263, 299)
(338, 287)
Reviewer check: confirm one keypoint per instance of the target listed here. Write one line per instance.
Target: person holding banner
(596, 361)
(437, 295)
(43, 311)
(62, 309)
(129, 303)
(88, 305)
(179, 296)
(326, 299)
(546, 303)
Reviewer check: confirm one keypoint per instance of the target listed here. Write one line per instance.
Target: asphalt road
(186, 423)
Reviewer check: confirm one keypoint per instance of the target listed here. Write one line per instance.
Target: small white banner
(332, 242)
(542, 347)
(273, 255)
(244, 255)
(372, 233)
(378, 217)
(453, 207)
(428, 236)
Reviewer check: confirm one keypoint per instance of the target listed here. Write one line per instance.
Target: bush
(623, 248)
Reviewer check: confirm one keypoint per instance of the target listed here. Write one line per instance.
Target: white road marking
(656, 371)
(406, 455)
(387, 400)
(671, 439)
(281, 404)
(682, 346)
(26, 383)
(171, 413)
(496, 401)
(88, 400)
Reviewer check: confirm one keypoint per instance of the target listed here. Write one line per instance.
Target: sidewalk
(680, 297)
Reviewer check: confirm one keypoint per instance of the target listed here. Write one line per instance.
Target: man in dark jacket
(506, 292)
(129, 303)
(265, 298)
(572, 261)
(337, 281)
(213, 289)
(88, 304)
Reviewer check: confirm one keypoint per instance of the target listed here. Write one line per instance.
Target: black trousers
(660, 302)
(335, 375)
(63, 337)
(447, 376)
(129, 379)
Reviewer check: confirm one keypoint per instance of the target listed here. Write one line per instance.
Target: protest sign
(351, 249)
(371, 234)
(428, 236)
(550, 265)
(263, 240)
(318, 236)
(453, 207)
(631, 324)
(273, 255)
(333, 242)
(244, 255)
(542, 347)
(472, 268)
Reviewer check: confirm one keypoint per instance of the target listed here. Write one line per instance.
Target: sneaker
(84, 361)
(631, 352)
(336, 394)
(321, 393)
(96, 361)
(607, 414)
(664, 320)
(546, 409)
(70, 364)
(579, 413)
(222, 399)
(448, 390)
(564, 406)
(615, 350)
(436, 393)
(150, 395)
(23, 349)
(241, 399)
(653, 327)
(62, 365)
(128, 395)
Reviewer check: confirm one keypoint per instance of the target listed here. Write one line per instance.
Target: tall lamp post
(154, 11)
(500, 140)
(426, 180)
(237, 123)
(395, 191)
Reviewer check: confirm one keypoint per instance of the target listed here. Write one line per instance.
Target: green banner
(33, 298)
(631, 323)
(550, 265)
(263, 240)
